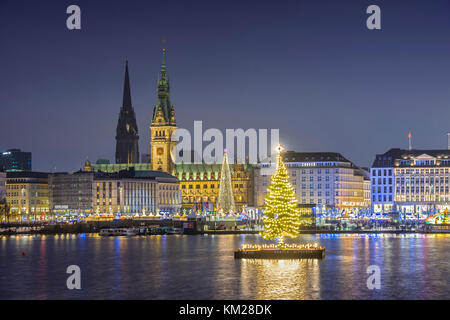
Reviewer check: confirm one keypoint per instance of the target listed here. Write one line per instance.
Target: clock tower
(163, 125)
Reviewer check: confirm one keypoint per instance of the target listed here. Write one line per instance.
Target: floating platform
(313, 253)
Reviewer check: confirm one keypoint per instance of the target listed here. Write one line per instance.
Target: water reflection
(203, 267)
(280, 279)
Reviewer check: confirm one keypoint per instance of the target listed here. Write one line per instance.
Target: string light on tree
(226, 197)
(281, 215)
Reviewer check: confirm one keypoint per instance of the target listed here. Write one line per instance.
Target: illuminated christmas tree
(225, 201)
(281, 215)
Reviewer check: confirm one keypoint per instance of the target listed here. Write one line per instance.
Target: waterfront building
(411, 181)
(2, 187)
(382, 183)
(325, 180)
(71, 193)
(27, 195)
(127, 192)
(4, 210)
(366, 187)
(127, 138)
(15, 160)
(200, 184)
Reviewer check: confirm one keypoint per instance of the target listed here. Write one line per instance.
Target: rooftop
(26, 174)
(388, 158)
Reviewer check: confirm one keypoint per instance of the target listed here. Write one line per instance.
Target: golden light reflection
(280, 279)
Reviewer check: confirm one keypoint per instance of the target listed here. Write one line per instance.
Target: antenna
(409, 139)
(448, 140)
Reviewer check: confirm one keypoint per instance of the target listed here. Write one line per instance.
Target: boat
(438, 228)
(131, 232)
(118, 232)
(175, 231)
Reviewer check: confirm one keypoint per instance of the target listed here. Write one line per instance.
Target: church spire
(127, 138)
(126, 104)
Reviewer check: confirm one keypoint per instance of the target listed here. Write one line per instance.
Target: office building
(15, 160)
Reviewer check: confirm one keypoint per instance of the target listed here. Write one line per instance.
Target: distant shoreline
(231, 232)
(191, 227)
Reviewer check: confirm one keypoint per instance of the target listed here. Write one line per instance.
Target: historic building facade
(200, 185)
(367, 193)
(411, 181)
(325, 180)
(127, 138)
(27, 195)
(2, 187)
(126, 192)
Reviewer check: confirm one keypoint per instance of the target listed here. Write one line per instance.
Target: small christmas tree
(226, 197)
(281, 215)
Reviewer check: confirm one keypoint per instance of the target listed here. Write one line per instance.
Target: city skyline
(363, 90)
(222, 157)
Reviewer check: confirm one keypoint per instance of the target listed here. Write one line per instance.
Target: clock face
(159, 151)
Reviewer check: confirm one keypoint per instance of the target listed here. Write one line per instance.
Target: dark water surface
(203, 267)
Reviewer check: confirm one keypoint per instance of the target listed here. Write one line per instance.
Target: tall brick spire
(127, 138)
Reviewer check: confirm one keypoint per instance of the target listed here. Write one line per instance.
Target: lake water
(413, 266)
